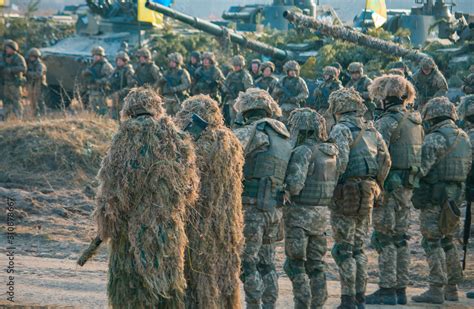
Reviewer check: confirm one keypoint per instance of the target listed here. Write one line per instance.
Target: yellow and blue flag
(379, 11)
(149, 16)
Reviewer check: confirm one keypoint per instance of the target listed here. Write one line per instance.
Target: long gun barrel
(343, 33)
(265, 49)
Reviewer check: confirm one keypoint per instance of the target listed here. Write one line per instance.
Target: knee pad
(341, 252)
(380, 241)
(315, 268)
(447, 243)
(293, 267)
(401, 240)
(265, 269)
(429, 245)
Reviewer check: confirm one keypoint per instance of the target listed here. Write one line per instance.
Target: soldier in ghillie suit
(96, 77)
(208, 78)
(147, 179)
(429, 82)
(255, 69)
(267, 150)
(291, 91)
(13, 75)
(445, 163)
(147, 73)
(175, 84)
(330, 84)
(267, 81)
(310, 181)
(36, 81)
(193, 64)
(364, 165)
(215, 226)
(361, 82)
(402, 132)
(120, 82)
(236, 81)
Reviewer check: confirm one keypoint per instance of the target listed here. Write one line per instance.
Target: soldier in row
(175, 84)
(267, 81)
(13, 69)
(429, 83)
(120, 82)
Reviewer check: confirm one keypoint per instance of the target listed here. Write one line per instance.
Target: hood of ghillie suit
(255, 98)
(392, 86)
(146, 182)
(306, 119)
(346, 100)
(203, 106)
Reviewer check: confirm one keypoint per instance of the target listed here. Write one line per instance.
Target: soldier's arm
(342, 137)
(248, 81)
(298, 169)
(386, 126)
(365, 94)
(185, 82)
(130, 76)
(434, 146)
(303, 91)
(441, 85)
(157, 76)
(105, 72)
(383, 159)
(19, 66)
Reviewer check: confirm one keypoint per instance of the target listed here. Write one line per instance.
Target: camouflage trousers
(98, 103)
(305, 248)
(36, 98)
(12, 100)
(259, 275)
(390, 238)
(350, 234)
(441, 251)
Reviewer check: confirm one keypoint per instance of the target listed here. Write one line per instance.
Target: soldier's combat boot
(402, 296)
(347, 302)
(382, 296)
(451, 293)
(360, 300)
(434, 295)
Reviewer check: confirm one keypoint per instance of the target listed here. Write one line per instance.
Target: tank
(110, 24)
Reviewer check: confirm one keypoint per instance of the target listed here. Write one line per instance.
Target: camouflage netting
(345, 101)
(255, 98)
(307, 119)
(215, 226)
(392, 86)
(147, 179)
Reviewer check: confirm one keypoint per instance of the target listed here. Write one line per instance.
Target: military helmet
(209, 56)
(468, 104)
(392, 86)
(176, 57)
(254, 99)
(291, 66)
(98, 51)
(439, 107)
(267, 64)
(144, 52)
(398, 65)
(238, 61)
(355, 67)
(12, 44)
(346, 100)
(34, 52)
(331, 71)
(307, 119)
(122, 55)
(257, 61)
(196, 54)
(428, 63)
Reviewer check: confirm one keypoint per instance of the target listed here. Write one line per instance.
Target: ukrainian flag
(379, 11)
(149, 16)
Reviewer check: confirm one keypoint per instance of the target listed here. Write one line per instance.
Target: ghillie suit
(215, 225)
(147, 179)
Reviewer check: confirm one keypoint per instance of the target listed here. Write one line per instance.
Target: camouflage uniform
(267, 83)
(235, 82)
(209, 79)
(121, 81)
(192, 67)
(96, 78)
(267, 150)
(310, 180)
(364, 165)
(148, 73)
(446, 162)
(328, 86)
(14, 68)
(290, 92)
(36, 81)
(428, 86)
(468, 86)
(402, 132)
(175, 84)
(362, 86)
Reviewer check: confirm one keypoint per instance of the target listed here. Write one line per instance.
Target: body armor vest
(235, 83)
(144, 75)
(205, 81)
(454, 164)
(173, 78)
(322, 177)
(119, 78)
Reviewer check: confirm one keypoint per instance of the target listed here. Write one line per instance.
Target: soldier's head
(10, 47)
(255, 66)
(203, 106)
(346, 101)
(305, 123)
(338, 66)
(98, 53)
(144, 55)
(238, 62)
(291, 68)
(175, 60)
(330, 73)
(208, 59)
(437, 110)
(467, 102)
(34, 54)
(356, 70)
(255, 104)
(267, 68)
(195, 57)
(121, 59)
(142, 101)
(392, 90)
(427, 65)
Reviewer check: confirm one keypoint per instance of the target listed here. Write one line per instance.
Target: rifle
(467, 226)
(90, 251)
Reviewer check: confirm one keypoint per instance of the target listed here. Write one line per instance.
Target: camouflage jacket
(192, 68)
(236, 82)
(175, 81)
(291, 90)
(322, 92)
(468, 86)
(122, 79)
(266, 83)
(208, 81)
(429, 86)
(148, 74)
(14, 69)
(36, 73)
(299, 165)
(97, 75)
(361, 85)
(255, 76)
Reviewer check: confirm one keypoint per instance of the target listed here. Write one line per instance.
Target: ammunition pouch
(262, 192)
(449, 219)
(355, 197)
